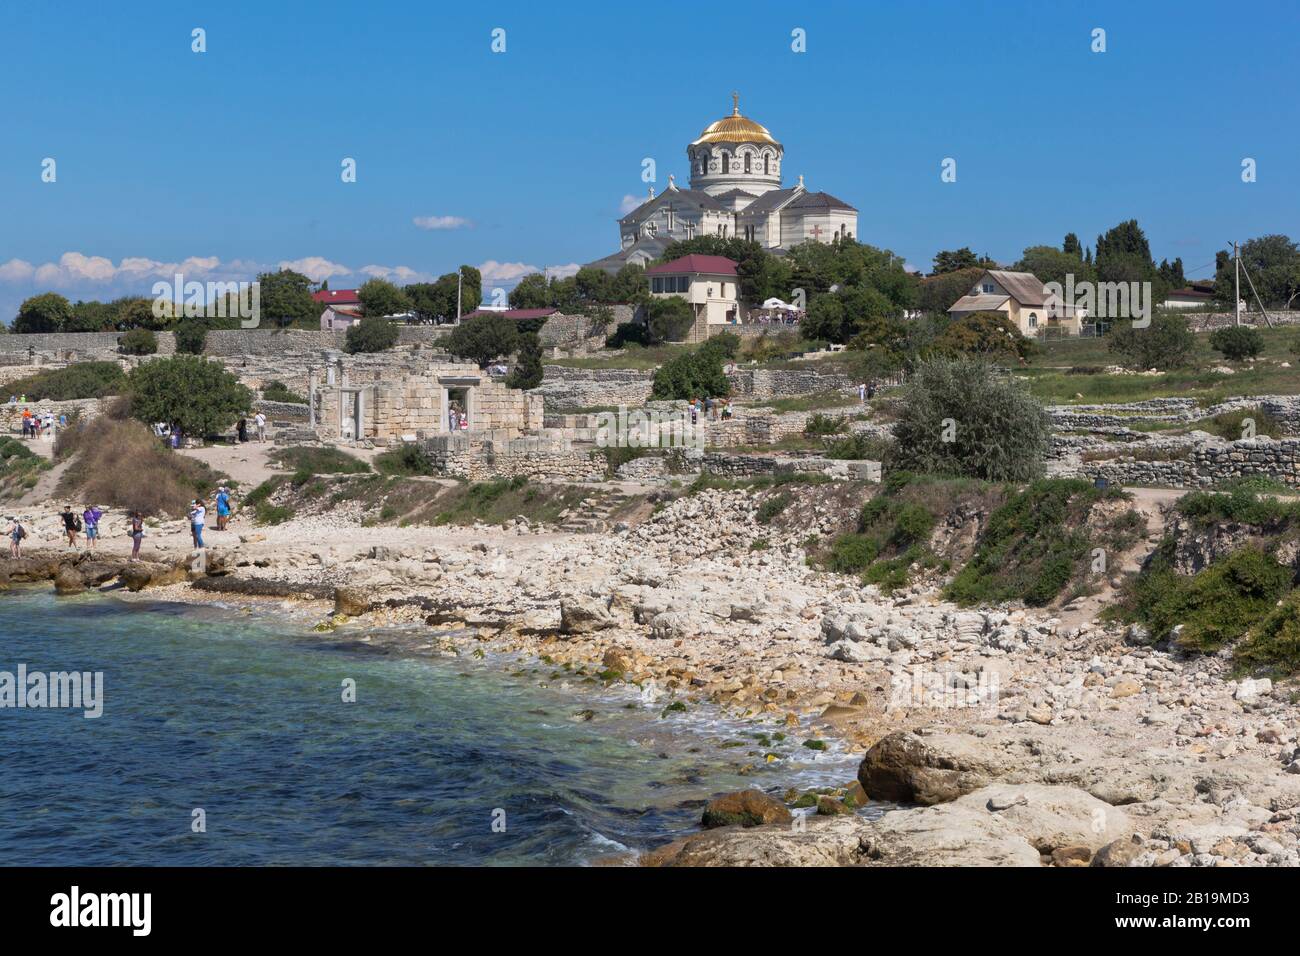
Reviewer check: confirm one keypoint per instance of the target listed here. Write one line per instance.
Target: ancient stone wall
(1206, 464)
(785, 382)
(484, 457)
(568, 388)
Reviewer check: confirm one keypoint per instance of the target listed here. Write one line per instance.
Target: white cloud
(399, 274)
(442, 222)
(509, 273)
(629, 203)
(316, 268)
(16, 270)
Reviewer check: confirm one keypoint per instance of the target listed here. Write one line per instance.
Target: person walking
(16, 534)
(862, 392)
(71, 525)
(198, 515)
(242, 429)
(137, 534)
(223, 508)
(259, 422)
(871, 389)
(91, 518)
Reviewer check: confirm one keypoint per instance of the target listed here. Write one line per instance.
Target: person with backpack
(91, 518)
(16, 534)
(137, 534)
(71, 525)
(223, 508)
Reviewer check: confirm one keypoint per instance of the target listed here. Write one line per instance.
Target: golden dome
(735, 129)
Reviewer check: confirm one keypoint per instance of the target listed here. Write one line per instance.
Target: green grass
(80, 380)
(324, 460)
(404, 460)
(1243, 504)
(634, 356)
(20, 467)
(809, 403)
(1037, 543)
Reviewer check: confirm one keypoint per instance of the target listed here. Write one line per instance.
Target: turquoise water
(242, 717)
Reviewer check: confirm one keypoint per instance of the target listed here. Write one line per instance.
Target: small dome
(735, 129)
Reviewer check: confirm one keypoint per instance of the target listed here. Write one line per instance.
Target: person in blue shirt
(223, 508)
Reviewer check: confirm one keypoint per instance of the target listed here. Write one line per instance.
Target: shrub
(1274, 646)
(1166, 344)
(669, 319)
(82, 380)
(1216, 606)
(199, 396)
(628, 333)
(276, 391)
(191, 336)
(138, 342)
(1231, 425)
(1237, 342)
(405, 459)
(1241, 505)
(371, 334)
(694, 374)
(851, 553)
(528, 371)
(961, 417)
(819, 424)
(989, 334)
(773, 506)
(318, 461)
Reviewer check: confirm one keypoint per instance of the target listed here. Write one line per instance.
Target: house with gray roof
(1023, 298)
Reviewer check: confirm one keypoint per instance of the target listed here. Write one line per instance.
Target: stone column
(359, 413)
(311, 397)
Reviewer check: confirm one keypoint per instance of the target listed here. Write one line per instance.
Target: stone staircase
(593, 515)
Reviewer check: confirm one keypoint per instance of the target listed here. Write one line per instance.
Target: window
(1033, 320)
(656, 284)
(988, 288)
(724, 161)
(767, 165)
(747, 169)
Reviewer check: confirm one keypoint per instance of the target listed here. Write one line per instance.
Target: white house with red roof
(342, 309)
(708, 283)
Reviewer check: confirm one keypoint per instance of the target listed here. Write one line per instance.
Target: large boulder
(351, 601)
(1051, 818)
(949, 835)
(825, 841)
(746, 808)
(583, 614)
(138, 575)
(909, 768)
(68, 581)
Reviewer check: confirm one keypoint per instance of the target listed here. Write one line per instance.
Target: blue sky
(229, 161)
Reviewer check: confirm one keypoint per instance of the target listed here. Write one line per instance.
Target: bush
(1230, 426)
(1215, 607)
(406, 459)
(318, 461)
(669, 319)
(371, 334)
(773, 506)
(628, 333)
(82, 380)
(199, 396)
(961, 417)
(1166, 344)
(989, 334)
(191, 336)
(1274, 647)
(694, 374)
(138, 342)
(1237, 342)
(483, 338)
(528, 371)
(276, 391)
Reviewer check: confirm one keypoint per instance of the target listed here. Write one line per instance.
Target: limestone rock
(908, 768)
(746, 808)
(583, 614)
(68, 581)
(351, 601)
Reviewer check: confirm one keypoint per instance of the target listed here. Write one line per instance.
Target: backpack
(76, 523)
(22, 532)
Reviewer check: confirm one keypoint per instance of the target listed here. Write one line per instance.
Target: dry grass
(121, 464)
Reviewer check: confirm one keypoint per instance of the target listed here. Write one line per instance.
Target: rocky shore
(997, 736)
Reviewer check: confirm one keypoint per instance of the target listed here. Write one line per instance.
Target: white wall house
(708, 283)
(1024, 300)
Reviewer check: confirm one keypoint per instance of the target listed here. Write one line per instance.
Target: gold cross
(735, 103)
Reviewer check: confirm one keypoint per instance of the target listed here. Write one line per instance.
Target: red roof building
(697, 265)
(336, 297)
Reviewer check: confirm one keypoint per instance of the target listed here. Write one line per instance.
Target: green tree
(380, 298)
(1273, 264)
(92, 317)
(191, 336)
(1049, 264)
(137, 312)
(47, 312)
(1124, 255)
(199, 396)
(629, 286)
(528, 370)
(990, 335)
(531, 292)
(950, 260)
(960, 416)
(372, 334)
(693, 374)
(669, 319)
(285, 299)
(1172, 273)
(849, 312)
(1071, 246)
(936, 294)
(1166, 344)
(483, 338)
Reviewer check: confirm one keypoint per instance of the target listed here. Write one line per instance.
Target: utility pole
(1236, 281)
(460, 275)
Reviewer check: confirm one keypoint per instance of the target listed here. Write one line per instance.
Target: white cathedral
(735, 191)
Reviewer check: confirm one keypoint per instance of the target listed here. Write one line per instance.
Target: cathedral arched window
(724, 162)
(747, 169)
(767, 164)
